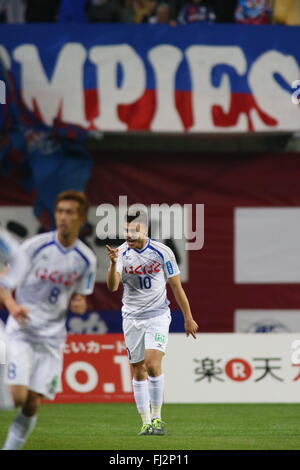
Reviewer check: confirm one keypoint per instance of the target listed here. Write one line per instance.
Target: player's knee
(139, 371)
(153, 367)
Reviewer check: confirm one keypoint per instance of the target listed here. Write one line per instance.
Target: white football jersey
(55, 274)
(11, 254)
(144, 274)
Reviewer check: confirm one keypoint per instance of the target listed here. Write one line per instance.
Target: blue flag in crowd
(51, 159)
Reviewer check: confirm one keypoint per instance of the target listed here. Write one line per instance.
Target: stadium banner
(233, 368)
(194, 78)
(267, 321)
(215, 368)
(95, 369)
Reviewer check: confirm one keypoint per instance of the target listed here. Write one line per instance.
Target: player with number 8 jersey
(56, 273)
(61, 273)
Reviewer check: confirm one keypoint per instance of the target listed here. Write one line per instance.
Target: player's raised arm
(113, 276)
(190, 325)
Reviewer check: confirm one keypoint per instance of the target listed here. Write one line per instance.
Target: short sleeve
(170, 264)
(85, 285)
(31, 246)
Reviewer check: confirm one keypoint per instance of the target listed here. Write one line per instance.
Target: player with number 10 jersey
(144, 266)
(144, 274)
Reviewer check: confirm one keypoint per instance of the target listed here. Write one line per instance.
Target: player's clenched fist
(112, 253)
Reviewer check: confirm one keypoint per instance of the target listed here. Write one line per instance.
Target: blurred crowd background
(172, 12)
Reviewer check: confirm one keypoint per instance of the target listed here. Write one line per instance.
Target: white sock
(141, 396)
(156, 392)
(19, 431)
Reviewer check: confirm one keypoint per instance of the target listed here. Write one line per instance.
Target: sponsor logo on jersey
(154, 267)
(170, 267)
(56, 277)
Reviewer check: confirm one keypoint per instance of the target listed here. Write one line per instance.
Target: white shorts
(146, 334)
(36, 366)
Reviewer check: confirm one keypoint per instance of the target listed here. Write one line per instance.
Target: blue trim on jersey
(124, 252)
(83, 256)
(64, 251)
(42, 247)
(89, 281)
(141, 251)
(154, 249)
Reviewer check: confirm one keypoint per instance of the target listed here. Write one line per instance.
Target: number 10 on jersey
(145, 282)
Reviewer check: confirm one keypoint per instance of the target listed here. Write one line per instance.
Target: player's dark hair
(131, 218)
(140, 215)
(78, 197)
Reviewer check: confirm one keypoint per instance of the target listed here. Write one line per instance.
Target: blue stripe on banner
(104, 321)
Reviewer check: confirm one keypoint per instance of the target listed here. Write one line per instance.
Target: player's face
(68, 218)
(135, 235)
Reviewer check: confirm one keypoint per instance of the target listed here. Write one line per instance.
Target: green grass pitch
(200, 427)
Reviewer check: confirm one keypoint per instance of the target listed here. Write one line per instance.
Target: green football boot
(158, 427)
(146, 430)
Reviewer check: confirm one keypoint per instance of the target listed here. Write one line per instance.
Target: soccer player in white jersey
(17, 263)
(62, 272)
(16, 266)
(144, 266)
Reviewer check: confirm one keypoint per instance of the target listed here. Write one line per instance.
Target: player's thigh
(45, 376)
(134, 340)
(19, 363)
(157, 333)
(19, 394)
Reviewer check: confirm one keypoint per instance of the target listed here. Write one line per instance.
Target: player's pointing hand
(191, 327)
(112, 253)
